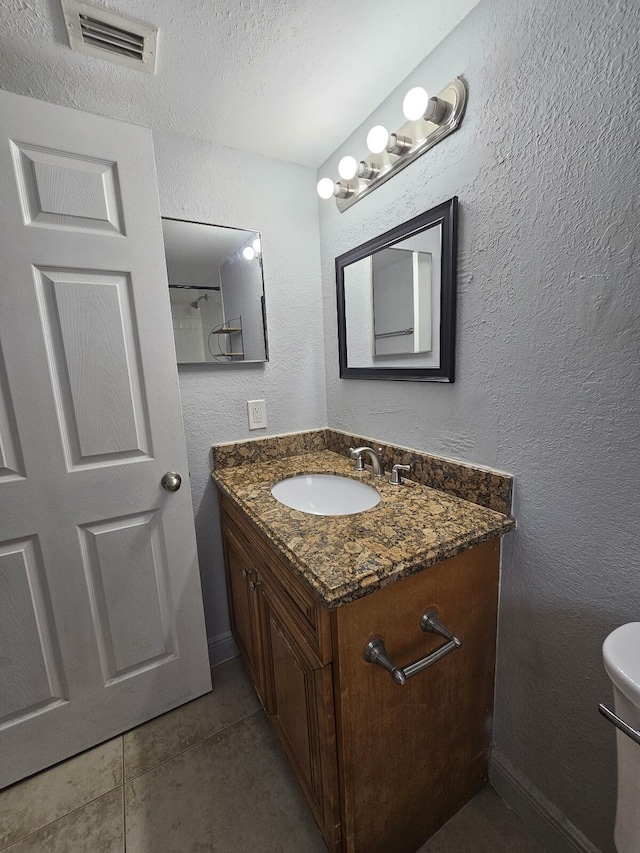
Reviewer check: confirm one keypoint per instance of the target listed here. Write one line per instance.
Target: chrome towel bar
(619, 724)
(397, 334)
(376, 652)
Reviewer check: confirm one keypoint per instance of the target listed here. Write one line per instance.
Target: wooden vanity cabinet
(242, 580)
(299, 702)
(382, 766)
(284, 636)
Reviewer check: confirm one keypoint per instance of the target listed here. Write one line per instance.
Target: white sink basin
(325, 494)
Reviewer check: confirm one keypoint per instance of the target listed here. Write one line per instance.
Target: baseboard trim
(221, 648)
(546, 822)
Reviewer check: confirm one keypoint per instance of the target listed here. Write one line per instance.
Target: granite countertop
(342, 558)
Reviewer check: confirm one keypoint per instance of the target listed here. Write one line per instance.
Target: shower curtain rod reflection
(194, 287)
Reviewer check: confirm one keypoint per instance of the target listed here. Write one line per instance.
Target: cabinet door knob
(254, 584)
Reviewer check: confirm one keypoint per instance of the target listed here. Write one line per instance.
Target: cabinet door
(241, 588)
(299, 700)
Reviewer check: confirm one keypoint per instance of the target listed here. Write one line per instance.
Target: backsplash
(265, 449)
(478, 485)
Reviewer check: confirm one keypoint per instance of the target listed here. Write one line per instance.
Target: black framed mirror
(397, 301)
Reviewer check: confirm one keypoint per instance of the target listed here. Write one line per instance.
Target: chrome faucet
(358, 452)
(396, 476)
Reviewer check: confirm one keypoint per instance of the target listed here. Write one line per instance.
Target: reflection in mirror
(217, 292)
(401, 285)
(396, 301)
(393, 304)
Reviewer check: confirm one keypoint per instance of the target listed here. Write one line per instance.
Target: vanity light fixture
(348, 167)
(326, 188)
(341, 189)
(367, 170)
(379, 139)
(344, 190)
(415, 103)
(418, 105)
(429, 119)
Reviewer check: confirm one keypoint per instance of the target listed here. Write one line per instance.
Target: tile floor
(206, 778)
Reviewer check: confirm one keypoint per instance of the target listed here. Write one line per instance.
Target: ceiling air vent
(101, 32)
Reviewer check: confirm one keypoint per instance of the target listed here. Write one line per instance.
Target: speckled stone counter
(342, 558)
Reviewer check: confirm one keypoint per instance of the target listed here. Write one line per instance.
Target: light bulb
(377, 139)
(415, 103)
(248, 253)
(256, 246)
(326, 188)
(347, 167)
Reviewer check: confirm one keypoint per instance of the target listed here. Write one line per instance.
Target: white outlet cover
(257, 412)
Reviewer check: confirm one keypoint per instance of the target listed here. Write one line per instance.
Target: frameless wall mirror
(396, 301)
(217, 293)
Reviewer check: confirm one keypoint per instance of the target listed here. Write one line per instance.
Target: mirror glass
(396, 301)
(217, 293)
(402, 292)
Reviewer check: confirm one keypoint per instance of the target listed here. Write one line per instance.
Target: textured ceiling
(283, 78)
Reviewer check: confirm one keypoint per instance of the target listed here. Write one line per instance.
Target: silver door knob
(171, 481)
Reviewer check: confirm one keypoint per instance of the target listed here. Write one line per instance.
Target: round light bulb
(415, 103)
(248, 253)
(347, 167)
(256, 246)
(326, 188)
(377, 139)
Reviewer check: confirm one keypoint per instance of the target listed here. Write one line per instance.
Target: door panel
(101, 592)
(134, 631)
(32, 678)
(93, 360)
(65, 191)
(11, 461)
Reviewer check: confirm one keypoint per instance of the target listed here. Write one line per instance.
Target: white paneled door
(101, 623)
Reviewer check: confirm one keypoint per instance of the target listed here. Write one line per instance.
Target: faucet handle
(356, 453)
(396, 478)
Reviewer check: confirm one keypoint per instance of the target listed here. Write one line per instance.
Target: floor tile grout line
(125, 781)
(62, 816)
(193, 745)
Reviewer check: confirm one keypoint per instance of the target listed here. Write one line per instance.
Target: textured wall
(210, 183)
(546, 169)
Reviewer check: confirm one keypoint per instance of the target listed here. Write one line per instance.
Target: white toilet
(621, 652)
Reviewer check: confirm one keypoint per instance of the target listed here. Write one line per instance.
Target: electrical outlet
(257, 414)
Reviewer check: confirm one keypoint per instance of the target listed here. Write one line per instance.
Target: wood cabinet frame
(382, 766)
